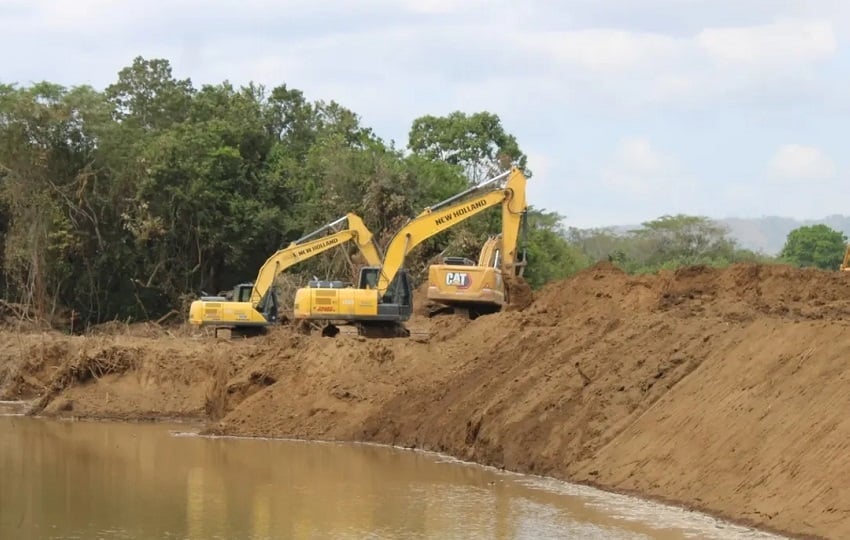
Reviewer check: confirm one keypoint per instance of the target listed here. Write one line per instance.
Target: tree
(549, 255)
(478, 143)
(685, 240)
(148, 96)
(816, 246)
(667, 242)
(47, 169)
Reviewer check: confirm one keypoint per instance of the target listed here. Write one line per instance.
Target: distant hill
(767, 234)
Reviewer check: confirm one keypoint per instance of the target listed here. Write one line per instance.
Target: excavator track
(372, 330)
(466, 311)
(382, 330)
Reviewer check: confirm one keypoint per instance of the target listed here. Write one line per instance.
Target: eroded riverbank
(723, 391)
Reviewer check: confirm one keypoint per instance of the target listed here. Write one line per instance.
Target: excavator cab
(242, 292)
(369, 277)
(397, 301)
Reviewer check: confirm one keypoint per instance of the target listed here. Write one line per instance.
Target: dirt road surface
(722, 390)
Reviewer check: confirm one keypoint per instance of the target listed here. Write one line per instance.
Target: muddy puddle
(64, 479)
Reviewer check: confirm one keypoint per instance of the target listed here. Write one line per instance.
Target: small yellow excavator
(250, 307)
(460, 285)
(845, 266)
(383, 298)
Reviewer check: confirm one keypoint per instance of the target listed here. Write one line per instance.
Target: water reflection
(103, 480)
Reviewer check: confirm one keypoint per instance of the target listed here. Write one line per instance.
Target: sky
(627, 109)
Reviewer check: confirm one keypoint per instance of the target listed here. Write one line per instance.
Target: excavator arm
(845, 266)
(513, 218)
(437, 219)
(304, 248)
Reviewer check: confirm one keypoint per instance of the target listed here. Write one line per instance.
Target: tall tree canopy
(477, 143)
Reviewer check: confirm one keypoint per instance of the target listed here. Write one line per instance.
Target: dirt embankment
(723, 390)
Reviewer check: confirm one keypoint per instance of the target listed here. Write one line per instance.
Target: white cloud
(796, 162)
(606, 63)
(630, 69)
(774, 45)
(602, 49)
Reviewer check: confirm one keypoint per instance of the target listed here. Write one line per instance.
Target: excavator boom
(439, 218)
(309, 246)
(845, 265)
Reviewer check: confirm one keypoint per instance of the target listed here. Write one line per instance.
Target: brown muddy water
(98, 480)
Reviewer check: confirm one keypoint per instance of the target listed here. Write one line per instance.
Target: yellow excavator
(845, 266)
(383, 298)
(460, 285)
(250, 307)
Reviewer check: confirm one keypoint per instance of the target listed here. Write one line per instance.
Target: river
(103, 480)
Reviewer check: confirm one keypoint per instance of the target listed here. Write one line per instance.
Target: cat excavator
(250, 307)
(460, 285)
(845, 266)
(383, 298)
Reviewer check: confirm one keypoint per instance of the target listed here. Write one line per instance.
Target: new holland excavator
(250, 307)
(383, 298)
(845, 266)
(460, 285)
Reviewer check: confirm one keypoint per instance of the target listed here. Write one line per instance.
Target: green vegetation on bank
(665, 243)
(670, 242)
(127, 202)
(817, 246)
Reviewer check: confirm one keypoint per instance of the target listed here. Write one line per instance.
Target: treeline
(666, 243)
(126, 203)
(670, 242)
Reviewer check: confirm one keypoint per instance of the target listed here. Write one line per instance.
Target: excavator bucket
(518, 292)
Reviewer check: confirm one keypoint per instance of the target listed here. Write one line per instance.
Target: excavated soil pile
(724, 390)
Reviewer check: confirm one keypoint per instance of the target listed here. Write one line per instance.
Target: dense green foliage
(126, 202)
(816, 246)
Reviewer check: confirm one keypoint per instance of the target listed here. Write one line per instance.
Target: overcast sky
(627, 109)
